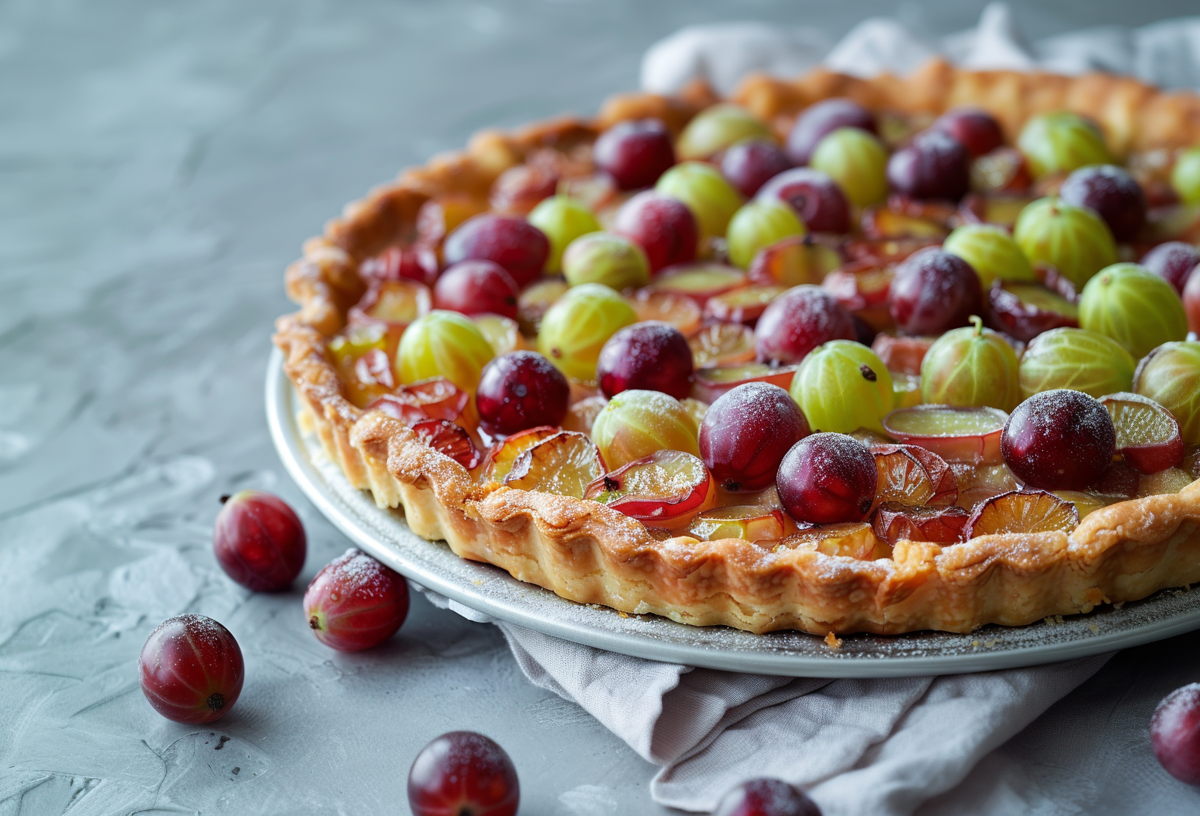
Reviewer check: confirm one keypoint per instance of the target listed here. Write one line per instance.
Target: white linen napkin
(877, 747)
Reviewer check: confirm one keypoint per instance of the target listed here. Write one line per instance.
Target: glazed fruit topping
(747, 522)
(934, 291)
(191, 669)
(435, 398)
(903, 355)
(722, 344)
(515, 244)
(798, 321)
(563, 464)
(477, 287)
(1147, 435)
(847, 540)
(967, 435)
(664, 227)
(1175, 733)
(504, 454)
(648, 356)
(914, 476)
(355, 602)
(521, 390)
(827, 478)
(398, 302)
(519, 189)
(934, 166)
(895, 521)
(1022, 511)
(766, 797)
(664, 489)
(416, 263)
(746, 433)
(450, 439)
(1059, 440)
(463, 773)
(259, 541)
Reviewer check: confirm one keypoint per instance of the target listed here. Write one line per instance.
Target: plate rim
(293, 453)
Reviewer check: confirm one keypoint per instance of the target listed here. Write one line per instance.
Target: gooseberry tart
(833, 354)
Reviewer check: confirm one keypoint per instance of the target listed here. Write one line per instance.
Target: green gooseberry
(971, 366)
(1061, 142)
(578, 325)
(1185, 176)
(1077, 359)
(991, 252)
(710, 197)
(562, 219)
(842, 386)
(1133, 306)
(608, 259)
(758, 225)
(443, 344)
(718, 127)
(857, 161)
(637, 423)
(1074, 240)
(1170, 375)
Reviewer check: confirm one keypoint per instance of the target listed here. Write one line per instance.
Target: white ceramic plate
(494, 592)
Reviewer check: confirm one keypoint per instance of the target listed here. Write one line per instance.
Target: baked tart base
(589, 553)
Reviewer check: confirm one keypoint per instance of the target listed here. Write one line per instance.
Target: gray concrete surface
(160, 163)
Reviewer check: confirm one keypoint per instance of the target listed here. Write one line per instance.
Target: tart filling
(834, 355)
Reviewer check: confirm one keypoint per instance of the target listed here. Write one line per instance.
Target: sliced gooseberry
(504, 454)
(563, 464)
(896, 521)
(1025, 310)
(673, 308)
(1085, 502)
(1022, 511)
(743, 305)
(722, 344)
(398, 302)
(665, 488)
(699, 281)
(450, 439)
(970, 435)
(1147, 434)
(714, 381)
(367, 377)
(848, 539)
(794, 261)
(860, 286)
(885, 251)
(435, 398)
(884, 222)
(747, 522)
(913, 475)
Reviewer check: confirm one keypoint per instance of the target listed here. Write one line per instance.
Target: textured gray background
(160, 163)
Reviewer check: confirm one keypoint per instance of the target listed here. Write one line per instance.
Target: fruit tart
(833, 354)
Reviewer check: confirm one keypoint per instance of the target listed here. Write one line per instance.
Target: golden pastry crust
(589, 553)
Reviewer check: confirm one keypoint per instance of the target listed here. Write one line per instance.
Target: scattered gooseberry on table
(766, 797)
(1059, 440)
(355, 602)
(463, 773)
(520, 390)
(259, 541)
(827, 478)
(1175, 733)
(746, 432)
(191, 669)
(650, 356)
